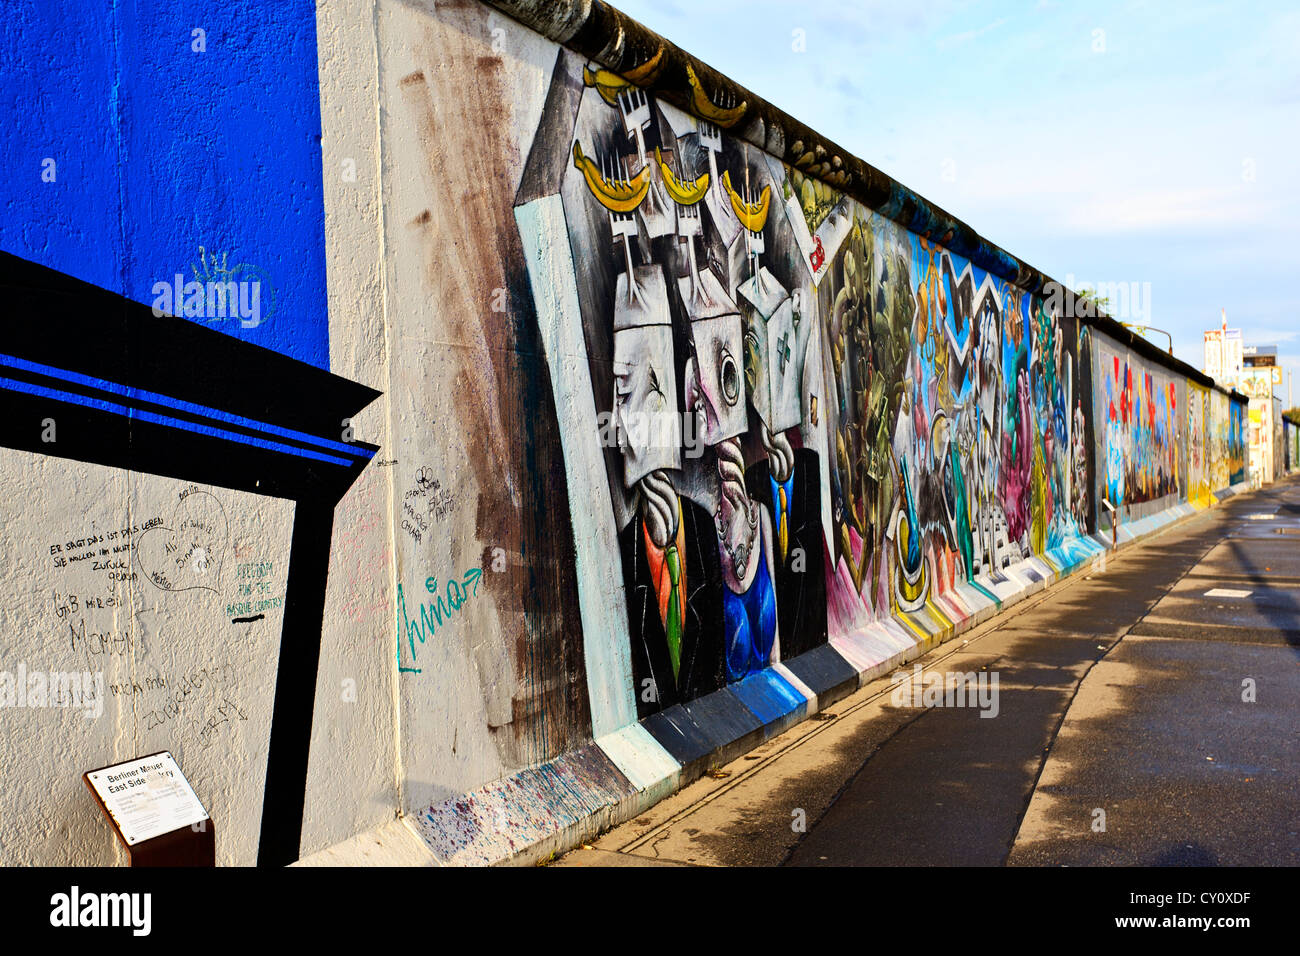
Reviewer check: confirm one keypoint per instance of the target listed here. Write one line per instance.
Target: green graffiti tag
(432, 614)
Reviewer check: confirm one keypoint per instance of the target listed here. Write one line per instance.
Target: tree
(1100, 303)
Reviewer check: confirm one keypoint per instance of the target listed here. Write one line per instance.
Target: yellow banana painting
(614, 196)
(705, 108)
(752, 215)
(645, 74)
(607, 83)
(683, 193)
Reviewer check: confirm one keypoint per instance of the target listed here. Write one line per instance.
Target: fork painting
(820, 418)
(721, 550)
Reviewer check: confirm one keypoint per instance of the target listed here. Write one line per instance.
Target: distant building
(1251, 369)
(1259, 356)
(1257, 379)
(1224, 353)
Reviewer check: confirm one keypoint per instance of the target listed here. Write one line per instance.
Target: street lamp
(1143, 329)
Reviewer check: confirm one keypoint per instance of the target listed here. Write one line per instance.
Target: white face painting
(645, 401)
(715, 383)
(774, 347)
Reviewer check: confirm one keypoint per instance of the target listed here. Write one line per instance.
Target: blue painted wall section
(174, 152)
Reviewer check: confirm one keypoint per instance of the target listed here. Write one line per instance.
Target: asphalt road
(1130, 684)
(1140, 720)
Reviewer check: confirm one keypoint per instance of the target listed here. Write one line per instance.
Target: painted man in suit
(787, 485)
(670, 560)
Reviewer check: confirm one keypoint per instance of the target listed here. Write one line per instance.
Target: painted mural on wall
(1263, 434)
(942, 471)
(811, 418)
(801, 418)
(1140, 430)
(701, 333)
(1198, 444)
(1236, 442)
(1279, 454)
(188, 576)
(1220, 472)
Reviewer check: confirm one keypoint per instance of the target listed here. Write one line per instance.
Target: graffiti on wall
(1198, 444)
(698, 323)
(1140, 436)
(1220, 474)
(1236, 442)
(807, 419)
(811, 418)
(943, 471)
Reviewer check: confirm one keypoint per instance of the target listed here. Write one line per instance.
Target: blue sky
(1133, 142)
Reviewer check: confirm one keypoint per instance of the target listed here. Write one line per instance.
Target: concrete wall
(603, 425)
(1291, 444)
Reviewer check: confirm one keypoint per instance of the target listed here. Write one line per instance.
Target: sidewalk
(875, 784)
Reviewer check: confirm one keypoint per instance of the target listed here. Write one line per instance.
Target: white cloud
(1154, 210)
(958, 39)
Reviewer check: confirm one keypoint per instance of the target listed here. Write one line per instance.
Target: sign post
(154, 812)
